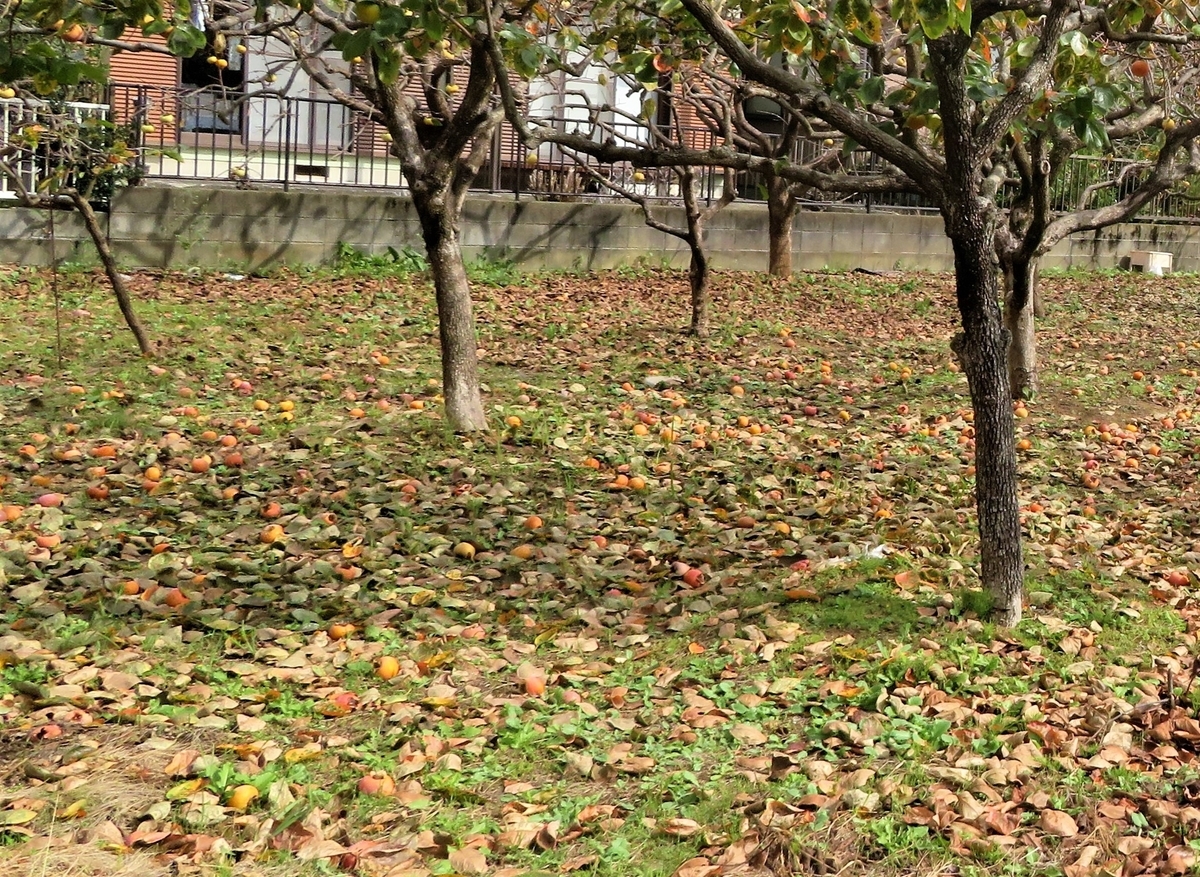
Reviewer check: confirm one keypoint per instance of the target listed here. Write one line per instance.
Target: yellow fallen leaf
(17, 817)
(72, 811)
(185, 789)
(303, 753)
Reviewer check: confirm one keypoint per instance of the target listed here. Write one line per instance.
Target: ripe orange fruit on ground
(10, 513)
(637, 482)
(208, 436)
(175, 598)
(98, 492)
(340, 631)
(533, 522)
(523, 552)
(535, 685)
(272, 510)
(241, 797)
(202, 464)
(271, 534)
(381, 785)
(154, 474)
(591, 463)
(104, 451)
(228, 441)
(387, 668)
(1024, 445)
(234, 459)
(1140, 68)
(50, 500)
(48, 540)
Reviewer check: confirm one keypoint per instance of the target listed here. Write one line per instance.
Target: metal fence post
(287, 141)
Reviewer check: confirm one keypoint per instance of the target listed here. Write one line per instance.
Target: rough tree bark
(781, 214)
(1020, 308)
(982, 348)
(698, 281)
(456, 319)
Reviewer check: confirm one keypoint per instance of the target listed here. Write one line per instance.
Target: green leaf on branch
(936, 17)
(387, 62)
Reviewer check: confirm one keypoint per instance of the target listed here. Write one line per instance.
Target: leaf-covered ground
(693, 608)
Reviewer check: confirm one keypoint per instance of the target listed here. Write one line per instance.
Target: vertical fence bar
(287, 141)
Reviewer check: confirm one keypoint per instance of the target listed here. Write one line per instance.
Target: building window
(212, 93)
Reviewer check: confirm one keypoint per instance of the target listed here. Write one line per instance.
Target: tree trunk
(781, 213)
(114, 276)
(698, 280)
(456, 322)
(1020, 278)
(982, 348)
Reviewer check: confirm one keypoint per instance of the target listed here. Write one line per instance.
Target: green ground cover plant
(690, 608)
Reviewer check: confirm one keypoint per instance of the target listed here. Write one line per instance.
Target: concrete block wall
(26, 239)
(225, 227)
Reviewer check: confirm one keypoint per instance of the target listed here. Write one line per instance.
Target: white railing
(17, 114)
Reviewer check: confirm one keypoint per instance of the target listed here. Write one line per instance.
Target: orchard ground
(692, 608)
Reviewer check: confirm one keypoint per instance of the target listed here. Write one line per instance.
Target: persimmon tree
(683, 183)
(672, 61)
(1107, 100)
(724, 103)
(75, 158)
(54, 157)
(680, 185)
(422, 69)
(921, 85)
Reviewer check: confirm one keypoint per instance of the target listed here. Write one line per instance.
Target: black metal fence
(269, 140)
